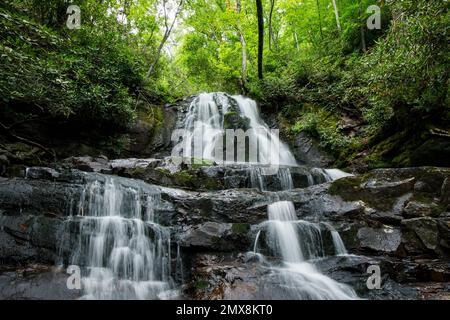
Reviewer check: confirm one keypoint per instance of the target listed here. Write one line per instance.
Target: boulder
(383, 240)
(213, 236)
(420, 235)
(307, 152)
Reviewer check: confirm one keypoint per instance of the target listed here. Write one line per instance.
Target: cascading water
(206, 125)
(296, 241)
(126, 253)
(293, 240)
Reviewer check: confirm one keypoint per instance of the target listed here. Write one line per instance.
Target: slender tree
(362, 26)
(243, 49)
(167, 32)
(260, 14)
(320, 18)
(271, 35)
(336, 13)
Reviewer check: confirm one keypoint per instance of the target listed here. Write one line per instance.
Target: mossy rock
(233, 120)
(201, 285)
(240, 228)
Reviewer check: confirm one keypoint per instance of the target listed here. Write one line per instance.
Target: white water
(335, 174)
(339, 246)
(205, 122)
(298, 278)
(127, 254)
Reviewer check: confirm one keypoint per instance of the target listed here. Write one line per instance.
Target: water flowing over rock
(211, 114)
(125, 251)
(297, 242)
(154, 229)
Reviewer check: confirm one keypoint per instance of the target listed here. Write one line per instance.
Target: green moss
(422, 197)
(201, 285)
(350, 189)
(233, 120)
(323, 125)
(137, 172)
(198, 163)
(345, 187)
(163, 170)
(240, 228)
(183, 178)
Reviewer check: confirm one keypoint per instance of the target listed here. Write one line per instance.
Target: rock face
(396, 218)
(308, 153)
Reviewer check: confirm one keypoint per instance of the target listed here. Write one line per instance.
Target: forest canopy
(382, 64)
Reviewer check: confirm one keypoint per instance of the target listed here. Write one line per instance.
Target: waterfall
(125, 251)
(282, 226)
(339, 246)
(338, 243)
(205, 126)
(297, 278)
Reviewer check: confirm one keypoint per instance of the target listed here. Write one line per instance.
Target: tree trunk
(363, 36)
(320, 19)
(260, 14)
(336, 13)
(165, 38)
(297, 45)
(271, 36)
(244, 51)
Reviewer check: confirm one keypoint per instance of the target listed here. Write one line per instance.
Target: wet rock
(420, 235)
(445, 192)
(380, 189)
(214, 236)
(4, 162)
(218, 277)
(421, 186)
(384, 240)
(204, 176)
(444, 234)
(88, 164)
(307, 152)
(230, 206)
(235, 121)
(29, 238)
(42, 173)
(37, 197)
(132, 163)
(35, 282)
(415, 209)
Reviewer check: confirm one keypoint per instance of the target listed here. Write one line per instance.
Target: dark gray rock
(415, 209)
(445, 192)
(420, 235)
(213, 236)
(307, 152)
(35, 282)
(384, 240)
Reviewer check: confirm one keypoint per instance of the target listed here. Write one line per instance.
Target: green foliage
(324, 126)
(93, 84)
(407, 72)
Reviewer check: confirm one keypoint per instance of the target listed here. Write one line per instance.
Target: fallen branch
(27, 141)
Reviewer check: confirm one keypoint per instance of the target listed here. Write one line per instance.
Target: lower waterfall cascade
(125, 251)
(297, 242)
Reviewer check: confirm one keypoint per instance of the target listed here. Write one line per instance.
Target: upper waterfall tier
(212, 116)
